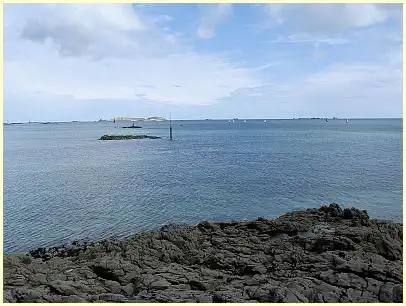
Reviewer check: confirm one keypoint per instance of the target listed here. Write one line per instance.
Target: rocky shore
(326, 254)
(126, 137)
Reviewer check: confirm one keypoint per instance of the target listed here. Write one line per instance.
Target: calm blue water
(62, 184)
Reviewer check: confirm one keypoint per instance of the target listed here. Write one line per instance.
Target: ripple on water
(75, 187)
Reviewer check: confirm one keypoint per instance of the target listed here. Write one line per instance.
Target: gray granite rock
(328, 254)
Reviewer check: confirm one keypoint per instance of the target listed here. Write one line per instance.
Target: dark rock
(73, 298)
(225, 298)
(197, 285)
(327, 254)
(128, 289)
(109, 297)
(333, 209)
(353, 213)
(160, 285)
(274, 294)
(126, 137)
(205, 299)
(113, 286)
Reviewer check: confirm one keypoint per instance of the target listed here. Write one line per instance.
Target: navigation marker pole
(170, 126)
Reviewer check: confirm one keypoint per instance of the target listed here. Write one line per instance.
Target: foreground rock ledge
(318, 255)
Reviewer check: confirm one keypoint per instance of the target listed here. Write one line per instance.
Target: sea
(63, 184)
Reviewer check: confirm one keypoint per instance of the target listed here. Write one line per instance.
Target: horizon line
(212, 119)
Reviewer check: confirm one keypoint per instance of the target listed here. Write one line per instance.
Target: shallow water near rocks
(61, 183)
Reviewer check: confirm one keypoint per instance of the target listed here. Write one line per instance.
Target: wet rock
(275, 294)
(205, 299)
(73, 299)
(109, 297)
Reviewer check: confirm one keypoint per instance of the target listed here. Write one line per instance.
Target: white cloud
(325, 18)
(307, 38)
(319, 25)
(213, 15)
(265, 66)
(162, 19)
(83, 29)
(275, 12)
(197, 77)
(57, 55)
(126, 59)
(345, 90)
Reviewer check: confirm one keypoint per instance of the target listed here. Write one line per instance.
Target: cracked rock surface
(326, 254)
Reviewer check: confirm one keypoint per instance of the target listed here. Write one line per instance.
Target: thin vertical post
(170, 126)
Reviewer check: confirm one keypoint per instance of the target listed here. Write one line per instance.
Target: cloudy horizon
(66, 62)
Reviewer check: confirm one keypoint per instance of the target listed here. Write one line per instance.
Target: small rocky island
(326, 254)
(132, 127)
(126, 137)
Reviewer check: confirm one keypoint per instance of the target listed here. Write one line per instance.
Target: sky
(67, 62)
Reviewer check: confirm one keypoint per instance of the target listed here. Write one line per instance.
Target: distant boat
(264, 121)
(245, 121)
(229, 121)
(346, 120)
(326, 120)
(233, 120)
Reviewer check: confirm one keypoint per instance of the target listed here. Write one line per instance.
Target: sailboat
(245, 121)
(265, 121)
(346, 120)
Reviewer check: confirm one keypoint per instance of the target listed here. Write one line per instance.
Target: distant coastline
(158, 119)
